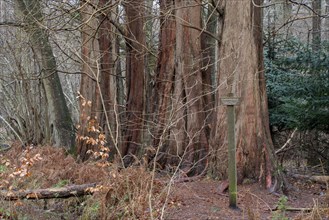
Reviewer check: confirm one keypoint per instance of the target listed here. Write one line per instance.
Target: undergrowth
(120, 193)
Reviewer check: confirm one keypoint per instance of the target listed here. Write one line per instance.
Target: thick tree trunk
(150, 62)
(107, 47)
(135, 42)
(178, 98)
(190, 129)
(241, 73)
(162, 96)
(60, 121)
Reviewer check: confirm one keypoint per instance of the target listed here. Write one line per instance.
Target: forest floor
(202, 200)
(126, 194)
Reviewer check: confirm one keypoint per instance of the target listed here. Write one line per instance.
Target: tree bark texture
(241, 72)
(60, 122)
(209, 59)
(188, 72)
(162, 96)
(108, 88)
(135, 46)
(98, 82)
(179, 87)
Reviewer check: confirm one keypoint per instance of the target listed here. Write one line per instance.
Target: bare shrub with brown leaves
(120, 193)
(55, 166)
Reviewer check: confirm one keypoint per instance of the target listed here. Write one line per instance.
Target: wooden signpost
(230, 102)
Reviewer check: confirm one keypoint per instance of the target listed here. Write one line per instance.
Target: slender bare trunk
(326, 22)
(316, 25)
(98, 82)
(89, 105)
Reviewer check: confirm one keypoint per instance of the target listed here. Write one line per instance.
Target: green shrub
(297, 85)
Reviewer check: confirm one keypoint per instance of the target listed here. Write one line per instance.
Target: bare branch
(12, 24)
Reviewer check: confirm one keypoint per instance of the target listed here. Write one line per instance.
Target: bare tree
(326, 22)
(316, 25)
(61, 127)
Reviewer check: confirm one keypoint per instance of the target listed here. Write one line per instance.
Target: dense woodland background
(141, 81)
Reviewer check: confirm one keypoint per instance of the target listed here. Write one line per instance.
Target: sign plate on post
(230, 101)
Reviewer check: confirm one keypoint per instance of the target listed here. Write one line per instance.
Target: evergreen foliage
(297, 85)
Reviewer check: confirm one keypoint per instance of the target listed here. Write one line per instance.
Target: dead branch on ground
(49, 193)
(318, 179)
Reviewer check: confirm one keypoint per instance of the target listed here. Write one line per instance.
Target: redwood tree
(108, 57)
(135, 50)
(209, 41)
(165, 71)
(179, 87)
(241, 72)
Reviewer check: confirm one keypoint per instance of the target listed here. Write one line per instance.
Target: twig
(20, 139)
(287, 142)
(292, 209)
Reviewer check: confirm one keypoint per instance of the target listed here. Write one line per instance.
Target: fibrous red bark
(179, 87)
(241, 72)
(135, 42)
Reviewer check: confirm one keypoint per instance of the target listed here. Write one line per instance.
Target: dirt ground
(199, 199)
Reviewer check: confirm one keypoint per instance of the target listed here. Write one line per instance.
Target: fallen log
(317, 179)
(49, 193)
